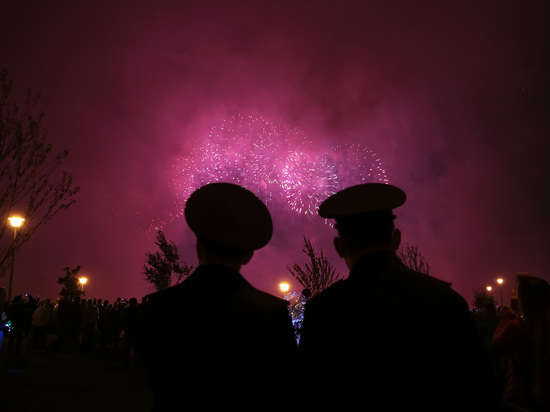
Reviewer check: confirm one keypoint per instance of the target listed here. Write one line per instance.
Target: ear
(340, 247)
(200, 251)
(396, 239)
(247, 257)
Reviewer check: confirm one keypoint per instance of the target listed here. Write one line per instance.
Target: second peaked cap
(361, 200)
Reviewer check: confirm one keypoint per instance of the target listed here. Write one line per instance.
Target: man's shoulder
(396, 282)
(249, 296)
(234, 290)
(338, 290)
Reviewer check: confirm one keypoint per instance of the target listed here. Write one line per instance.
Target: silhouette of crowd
(386, 337)
(67, 326)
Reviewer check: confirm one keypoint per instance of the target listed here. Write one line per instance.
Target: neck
(352, 258)
(223, 262)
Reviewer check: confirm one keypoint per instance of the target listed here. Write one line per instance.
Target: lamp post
(15, 222)
(82, 282)
(284, 287)
(499, 281)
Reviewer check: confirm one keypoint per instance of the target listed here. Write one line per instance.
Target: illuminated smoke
(277, 163)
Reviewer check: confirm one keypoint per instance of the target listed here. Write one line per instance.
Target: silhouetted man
(214, 340)
(388, 338)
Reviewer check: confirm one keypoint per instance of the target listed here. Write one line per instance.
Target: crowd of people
(96, 324)
(66, 326)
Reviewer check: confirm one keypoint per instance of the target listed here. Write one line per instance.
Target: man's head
(364, 218)
(230, 222)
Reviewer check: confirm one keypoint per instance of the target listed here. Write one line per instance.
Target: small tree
(162, 266)
(413, 259)
(70, 284)
(318, 274)
(483, 299)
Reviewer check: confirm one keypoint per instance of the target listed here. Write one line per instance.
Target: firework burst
(279, 164)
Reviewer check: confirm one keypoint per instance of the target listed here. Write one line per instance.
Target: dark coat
(214, 340)
(396, 338)
(511, 343)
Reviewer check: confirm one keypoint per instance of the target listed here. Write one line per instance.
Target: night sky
(453, 97)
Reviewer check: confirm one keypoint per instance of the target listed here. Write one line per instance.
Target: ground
(77, 382)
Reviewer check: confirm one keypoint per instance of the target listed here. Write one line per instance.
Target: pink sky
(453, 96)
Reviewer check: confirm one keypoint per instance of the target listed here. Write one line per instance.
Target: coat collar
(373, 262)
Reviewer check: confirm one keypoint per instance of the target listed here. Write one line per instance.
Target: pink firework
(245, 151)
(280, 164)
(306, 180)
(356, 164)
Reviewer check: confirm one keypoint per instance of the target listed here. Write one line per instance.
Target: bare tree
(162, 266)
(31, 183)
(316, 275)
(413, 259)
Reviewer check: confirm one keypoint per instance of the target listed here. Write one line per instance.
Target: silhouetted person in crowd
(17, 315)
(214, 341)
(110, 335)
(130, 324)
(73, 324)
(39, 323)
(3, 313)
(522, 339)
(388, 338)
(90, 317)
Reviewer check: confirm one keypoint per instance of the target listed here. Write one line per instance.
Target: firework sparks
(279, 164)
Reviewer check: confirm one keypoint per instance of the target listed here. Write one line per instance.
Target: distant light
(499, 281)
(489, 288)
(284, 287)
(82, 280)
(16, 221)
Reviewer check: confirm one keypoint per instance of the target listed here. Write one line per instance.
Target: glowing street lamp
(82, 282)
(499, 281)
(16, 223)
(284, 287)
(489, 288)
